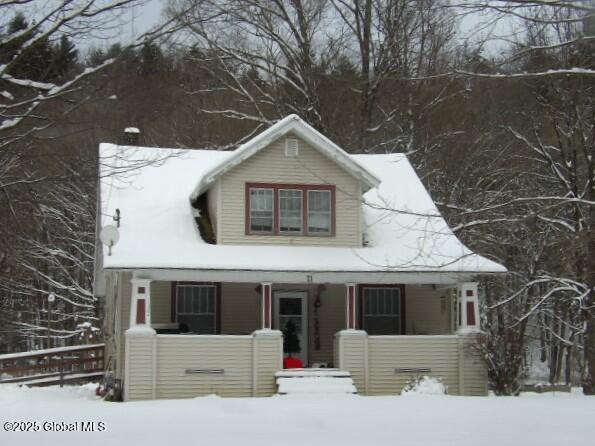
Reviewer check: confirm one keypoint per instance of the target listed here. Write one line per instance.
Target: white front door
(293, 306)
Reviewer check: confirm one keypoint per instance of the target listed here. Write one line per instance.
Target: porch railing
(383, 365)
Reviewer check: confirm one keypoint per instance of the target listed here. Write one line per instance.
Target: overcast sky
(143, 17)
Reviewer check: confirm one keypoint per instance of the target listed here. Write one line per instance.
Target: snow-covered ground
(547, 419)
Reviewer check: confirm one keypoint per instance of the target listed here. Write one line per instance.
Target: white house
(217, 251)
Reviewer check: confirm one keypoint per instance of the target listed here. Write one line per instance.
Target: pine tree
(151, 59)
(291, 342)
(64, 58)
(32, 63)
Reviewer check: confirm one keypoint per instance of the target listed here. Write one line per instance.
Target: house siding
(125, 293)
(427, 310)
(439, 354)
(241, 313)
(240, 308)
(382, 365)
(270, 165)
(161, 302)
(372, 360)
(163, 366)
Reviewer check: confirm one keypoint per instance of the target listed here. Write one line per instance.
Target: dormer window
(290, 209)
(261, 210)
(319, 212)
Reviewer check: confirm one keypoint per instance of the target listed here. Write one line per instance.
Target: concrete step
(303, 373)
(314, 381)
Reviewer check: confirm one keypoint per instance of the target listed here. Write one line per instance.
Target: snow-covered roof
(295, 125)
(152, 186)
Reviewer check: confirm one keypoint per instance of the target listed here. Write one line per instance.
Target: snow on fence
(53, 365)
(383, 365)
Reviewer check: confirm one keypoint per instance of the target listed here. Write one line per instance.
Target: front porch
(196, 338)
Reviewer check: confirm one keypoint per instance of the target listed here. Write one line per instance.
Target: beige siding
(386, 354)
(331, 319)
(241, 313)
(125, 293)
(110, 323)
(377, 362)
(427, 310)
(157, 365)
(160, 302)
(240, 308)
(351, 356)
(475, 370)
(139, 367)
(268, 356)
(175, 354)
(270, 165)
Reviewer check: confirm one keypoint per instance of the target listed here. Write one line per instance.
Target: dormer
(289, 185)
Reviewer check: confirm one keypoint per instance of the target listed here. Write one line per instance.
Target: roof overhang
(302, 277)
(290, 124)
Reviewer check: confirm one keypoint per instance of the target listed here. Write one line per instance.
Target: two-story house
(217, 251)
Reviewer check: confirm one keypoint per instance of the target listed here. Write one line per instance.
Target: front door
(293, 306)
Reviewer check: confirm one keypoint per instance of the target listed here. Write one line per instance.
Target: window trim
(276, 211)
(360, 294)
(174, 301)
(273, 211)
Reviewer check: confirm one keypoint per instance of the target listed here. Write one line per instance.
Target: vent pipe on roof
(131, 136)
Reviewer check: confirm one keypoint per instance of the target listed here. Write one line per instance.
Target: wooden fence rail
(53, 365)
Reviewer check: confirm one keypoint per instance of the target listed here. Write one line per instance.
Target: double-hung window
(196, 307)
(382, 310)
(290, 209)
(319, 212)
(261, 210)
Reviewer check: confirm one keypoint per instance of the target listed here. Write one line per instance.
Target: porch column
(266, 305)
(140, 302)
(468, 306)
(350, 306)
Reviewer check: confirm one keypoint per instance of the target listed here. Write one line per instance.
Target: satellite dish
(109, 236)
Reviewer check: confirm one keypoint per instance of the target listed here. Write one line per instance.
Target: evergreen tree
(64, 58)
(291, 342)
(32, 62)
(151, 59)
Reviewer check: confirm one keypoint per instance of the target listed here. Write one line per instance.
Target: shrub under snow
(424, 385)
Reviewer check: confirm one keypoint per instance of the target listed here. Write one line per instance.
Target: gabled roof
(151, 186)
(290, 124)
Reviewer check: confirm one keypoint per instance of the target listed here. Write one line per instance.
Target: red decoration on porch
(292, 363)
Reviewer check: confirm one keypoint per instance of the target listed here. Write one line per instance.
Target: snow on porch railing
(53, 365)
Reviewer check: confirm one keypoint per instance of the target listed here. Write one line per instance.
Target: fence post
(61, 366)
